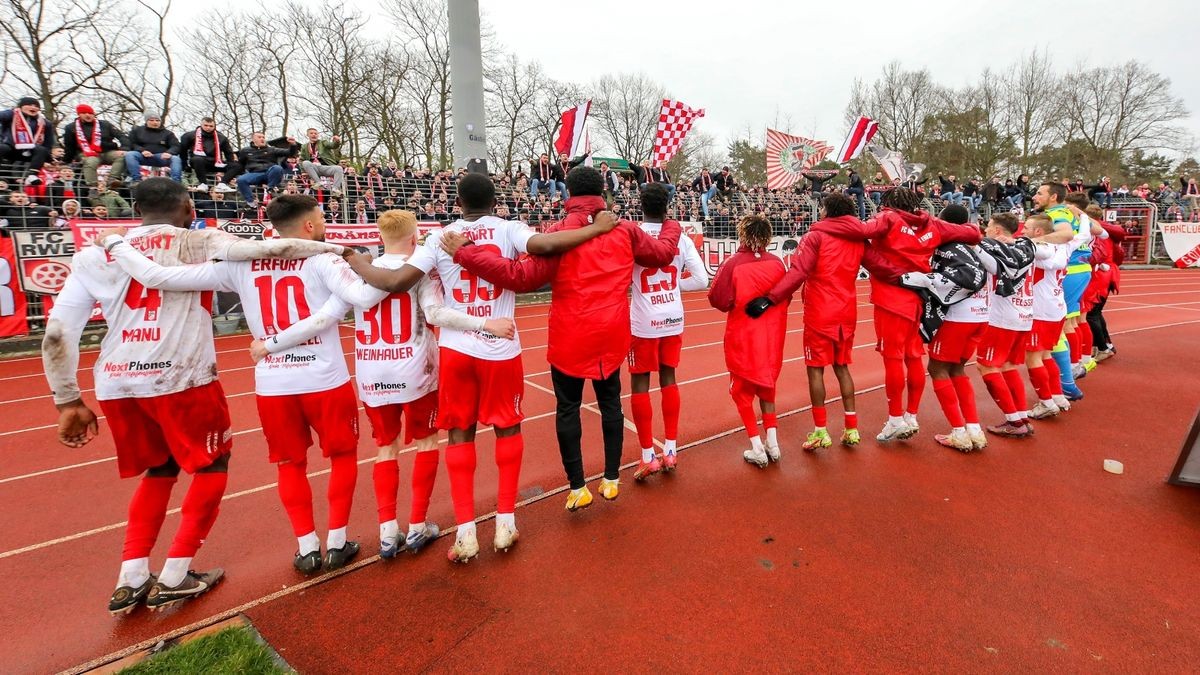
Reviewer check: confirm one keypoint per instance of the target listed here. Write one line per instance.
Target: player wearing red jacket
(907, 237)
(1107, 256)
(589, 334)
(827, 266)
(753, 347)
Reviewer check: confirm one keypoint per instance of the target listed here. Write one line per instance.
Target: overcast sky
(744, 61)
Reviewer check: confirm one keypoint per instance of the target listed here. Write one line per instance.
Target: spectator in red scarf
(207, 151)
(97, 142)
(26, 136)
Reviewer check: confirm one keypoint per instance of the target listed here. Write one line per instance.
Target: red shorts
(191, 426)
(288, 421)
(386, 420)
(472, 390)
(956, 341)
(999, 346)
(744, 390)
(647, 355)
(823, 350)
(896, 336)
(1044, 335)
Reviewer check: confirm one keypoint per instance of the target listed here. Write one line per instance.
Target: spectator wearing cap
(27, 137)
(707, 187)
(94, 142)
(153, 145)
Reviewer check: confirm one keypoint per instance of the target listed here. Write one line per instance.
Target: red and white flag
(788, 156)
(674, 121)
(860, 134)
(573, 137)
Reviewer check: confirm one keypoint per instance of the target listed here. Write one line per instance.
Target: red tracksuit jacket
(908, 241)
(589, 303)
(827, 266)
(753, 347)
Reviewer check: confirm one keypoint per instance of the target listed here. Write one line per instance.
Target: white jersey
(1049, 268)
(471, 295)
(656, 306)
(1014, 312)
(395, 352)
(973, 309)
(158, 342)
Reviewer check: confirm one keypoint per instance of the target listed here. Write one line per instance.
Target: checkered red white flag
(674, 121)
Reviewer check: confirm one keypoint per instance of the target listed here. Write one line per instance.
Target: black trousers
(569, 392)
(1095, 319)
(204, 166)
(35, 156)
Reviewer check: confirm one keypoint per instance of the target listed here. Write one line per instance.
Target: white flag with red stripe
(674, 121)
(573, 138)
(860, 134)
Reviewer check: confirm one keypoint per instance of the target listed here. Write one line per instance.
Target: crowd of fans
(86, 170)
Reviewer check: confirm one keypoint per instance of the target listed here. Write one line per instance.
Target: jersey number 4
(381, 321)
(276, 297)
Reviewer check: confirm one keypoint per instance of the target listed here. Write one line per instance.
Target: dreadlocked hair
(902, 199)
(754, 231)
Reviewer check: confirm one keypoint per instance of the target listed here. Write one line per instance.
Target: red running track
(54, 549)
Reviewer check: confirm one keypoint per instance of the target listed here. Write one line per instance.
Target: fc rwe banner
(12, 300)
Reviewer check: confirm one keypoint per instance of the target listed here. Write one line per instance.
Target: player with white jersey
(656, 322)
(396, 366)
(299, 390)
(952, 347)
(481, 379)
(1010, 318)
(1049, 315)
(156, 382)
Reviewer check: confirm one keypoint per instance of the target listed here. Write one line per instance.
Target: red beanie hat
(84, 109)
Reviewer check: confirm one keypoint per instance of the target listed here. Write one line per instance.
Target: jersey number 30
(381, 321)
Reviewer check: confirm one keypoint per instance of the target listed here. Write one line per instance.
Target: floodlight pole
(466, 84)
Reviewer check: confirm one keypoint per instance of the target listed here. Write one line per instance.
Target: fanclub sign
(85, 231)
(1182, 241)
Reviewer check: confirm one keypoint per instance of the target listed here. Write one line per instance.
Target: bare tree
(424, 29)
(513, 98)
(899, 101)
(1123, 108)
(626, 109)
(1030, 105)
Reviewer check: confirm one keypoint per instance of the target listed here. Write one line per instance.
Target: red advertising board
(12, 300)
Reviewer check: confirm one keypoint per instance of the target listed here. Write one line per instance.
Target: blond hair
(396, 225)
(1039, 221)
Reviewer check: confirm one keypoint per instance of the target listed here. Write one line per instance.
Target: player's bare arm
(392, 281)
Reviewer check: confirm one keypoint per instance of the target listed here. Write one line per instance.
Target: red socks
(1055, 376)
(509, 450)
(1041, 382)
(966, 398)
(770, 421)
(819, 416)
(893, 385)
(851, 419)
(916, 383)
(948, 398)
(296, 495)
(342, 477)
(1085, 338)
(743, 398)
(643, 417)
(147, 510)
(201, 505)
(460, 464)
(1073, 343)
(386, 477)
(1017, 387)
(670, 410)
(424, 473)
(1000, 392)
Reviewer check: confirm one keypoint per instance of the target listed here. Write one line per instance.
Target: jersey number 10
(275, 300)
